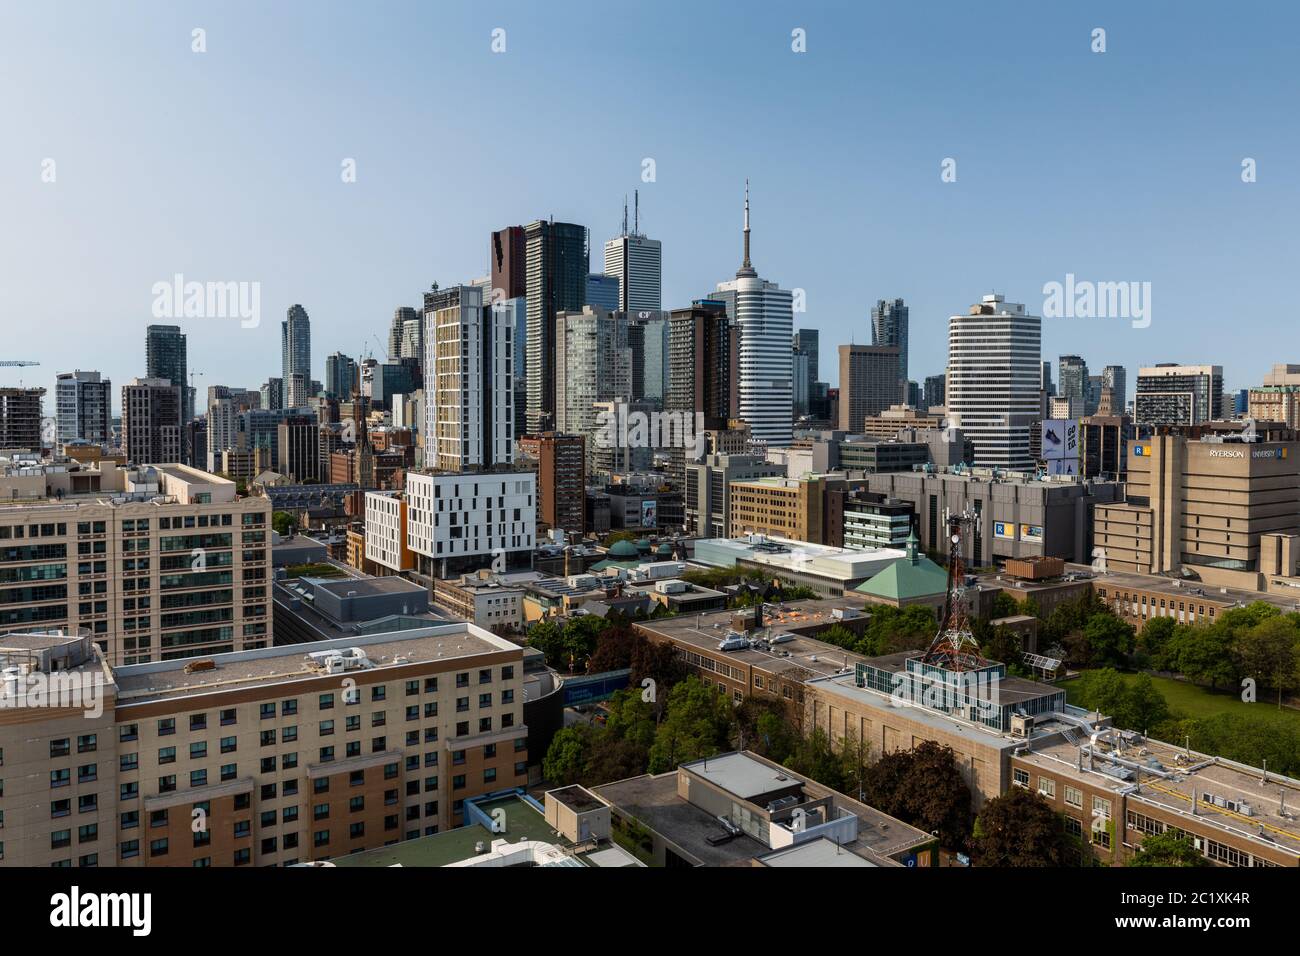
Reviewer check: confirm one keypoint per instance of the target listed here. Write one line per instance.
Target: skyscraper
(1115, 377)
(868, 383)
(273, 394)
(603, 290)
(806, 342)
(84, 407)
(932, 395)
(340, 376)
(701, 348)
(1072, 379)
(558, 266)
(647, 337)
(509, 257)
(405, 335)
(151, 422)
(593, 363)
(1171, 394)
(994, 371)
(469, 407)
(889, 321)
(295, 340)
(637, 262)
(165, 357)
(763, 315)
(20, 419)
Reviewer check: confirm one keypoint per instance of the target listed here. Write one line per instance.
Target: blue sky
(225, 165)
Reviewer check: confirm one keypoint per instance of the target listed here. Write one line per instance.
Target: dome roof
(623, 549)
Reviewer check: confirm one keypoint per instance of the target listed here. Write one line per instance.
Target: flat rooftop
(653, 800)
(1187, 590)
(1177, 776)
(980, 734)
(362, 586)
(698, 630)
(166, 680)
(741, 775)
(523, 822)
(842, 563)
(821, 852)
(1011, 690)
(1177, 588)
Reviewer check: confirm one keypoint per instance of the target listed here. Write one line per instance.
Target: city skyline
(227, 210)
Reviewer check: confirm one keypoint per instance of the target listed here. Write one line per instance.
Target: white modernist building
(384, 529)
(994, 375)
(764, 314)
(465, 521)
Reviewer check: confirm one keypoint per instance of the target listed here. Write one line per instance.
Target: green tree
(283, 523)
(1168, 849)
(1003, 645)
(696, 724)
(1143, 706)
(761, 727)
(1268, 653)
(548, 637)
(1153, 641)
(814, 756)
(1109, 640)
(1103, 690)
(1205, 652)
(923, 787)
(566, 758)
(840, 636)
(1020, 829)
(1004, 605)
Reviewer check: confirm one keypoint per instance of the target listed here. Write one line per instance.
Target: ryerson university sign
(1255, 453)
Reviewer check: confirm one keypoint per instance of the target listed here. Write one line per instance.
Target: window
(1073, 797)
(1047, 787)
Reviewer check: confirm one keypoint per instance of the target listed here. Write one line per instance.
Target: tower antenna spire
(625, 214)
(746, 267)
(636, 212)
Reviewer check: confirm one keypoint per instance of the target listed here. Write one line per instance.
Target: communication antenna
(954, 647)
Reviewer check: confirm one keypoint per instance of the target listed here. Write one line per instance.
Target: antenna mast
(954, 647)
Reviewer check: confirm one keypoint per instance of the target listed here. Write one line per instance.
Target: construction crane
(17, 364)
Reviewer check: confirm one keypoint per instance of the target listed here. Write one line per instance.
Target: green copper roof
(623, 549)
(911, 577)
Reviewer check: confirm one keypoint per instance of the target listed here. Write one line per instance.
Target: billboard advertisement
(649, 513)
(1063, 466)
(1031, 532)
(1004, 529)
(1060, 439)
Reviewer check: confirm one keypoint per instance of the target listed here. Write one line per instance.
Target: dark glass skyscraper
(165, 357)
(889, 328)
(558, 266)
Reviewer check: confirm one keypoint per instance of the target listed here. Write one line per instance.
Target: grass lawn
(313, 570)
(1186, 699)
